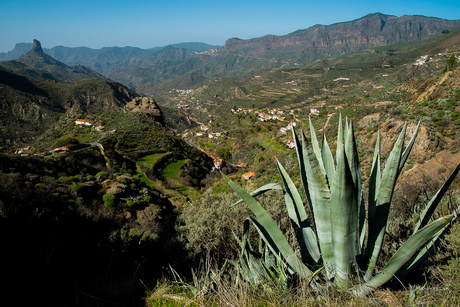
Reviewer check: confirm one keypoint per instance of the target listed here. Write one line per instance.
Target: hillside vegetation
(116, 208)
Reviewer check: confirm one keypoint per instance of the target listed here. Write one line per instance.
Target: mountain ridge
(97, 59)
(37, 64)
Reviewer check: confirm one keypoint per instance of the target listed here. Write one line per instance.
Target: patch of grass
(171, 170)
(150, 160)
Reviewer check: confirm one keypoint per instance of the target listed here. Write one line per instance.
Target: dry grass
(226, 292)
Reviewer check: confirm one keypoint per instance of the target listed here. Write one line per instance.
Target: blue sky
(152, 23)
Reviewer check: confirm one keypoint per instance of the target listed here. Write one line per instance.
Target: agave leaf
(352, 157)
(305, 236)
(315, 145)
(291, 190)
(424, 252)
(339, 136)
(317, 189)
(344, 210)
(408, 149)
(271, 233)
(381, 209)
(345, 135)
(351, 151)
(262, 190)
(328, 159)
(292, 261)
(374, 185)
(300, 148)
(404, 254)
(431, 206)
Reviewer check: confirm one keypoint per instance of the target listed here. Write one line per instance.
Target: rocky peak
(37, 47)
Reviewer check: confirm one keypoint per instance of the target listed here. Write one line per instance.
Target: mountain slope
(30, 106)
(101, 60)
(248, 57)
(36, 64)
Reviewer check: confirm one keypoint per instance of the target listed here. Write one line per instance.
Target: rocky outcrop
(434, 88)
(37, 46)
(148, 107)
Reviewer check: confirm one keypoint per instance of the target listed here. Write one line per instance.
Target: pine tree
(451, 63)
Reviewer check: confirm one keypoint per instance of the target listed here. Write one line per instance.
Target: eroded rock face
(438, 168)
(425, 145)
(148, 106)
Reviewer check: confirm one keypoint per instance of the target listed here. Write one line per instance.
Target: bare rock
(147, 106)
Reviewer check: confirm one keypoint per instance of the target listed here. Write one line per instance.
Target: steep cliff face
(371, 30)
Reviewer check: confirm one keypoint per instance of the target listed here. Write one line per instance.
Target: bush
(454, 114)
(68, 141)
(76, 188)
(147, 199)
(39, 186)
(449, 273)
(102, 176)
(109, 200)
(208, 224)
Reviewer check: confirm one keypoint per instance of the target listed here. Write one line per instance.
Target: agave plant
(343, 236)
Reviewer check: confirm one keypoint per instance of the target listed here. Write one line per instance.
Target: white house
(84, 122)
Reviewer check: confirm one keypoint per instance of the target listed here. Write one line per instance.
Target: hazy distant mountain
(36, 64)
(342, 38)
(244, 57)
(100, 60)
(147, 70)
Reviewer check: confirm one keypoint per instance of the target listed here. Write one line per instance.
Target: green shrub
(147, 199)
(129, 203)
(102, 176)
(109, 200)
(66, 141)
(423, 104)
(207, 224)
(76, 188)
(440, 113)
(39, 186)
(89, 177)
(449, 272)
(454, 114)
